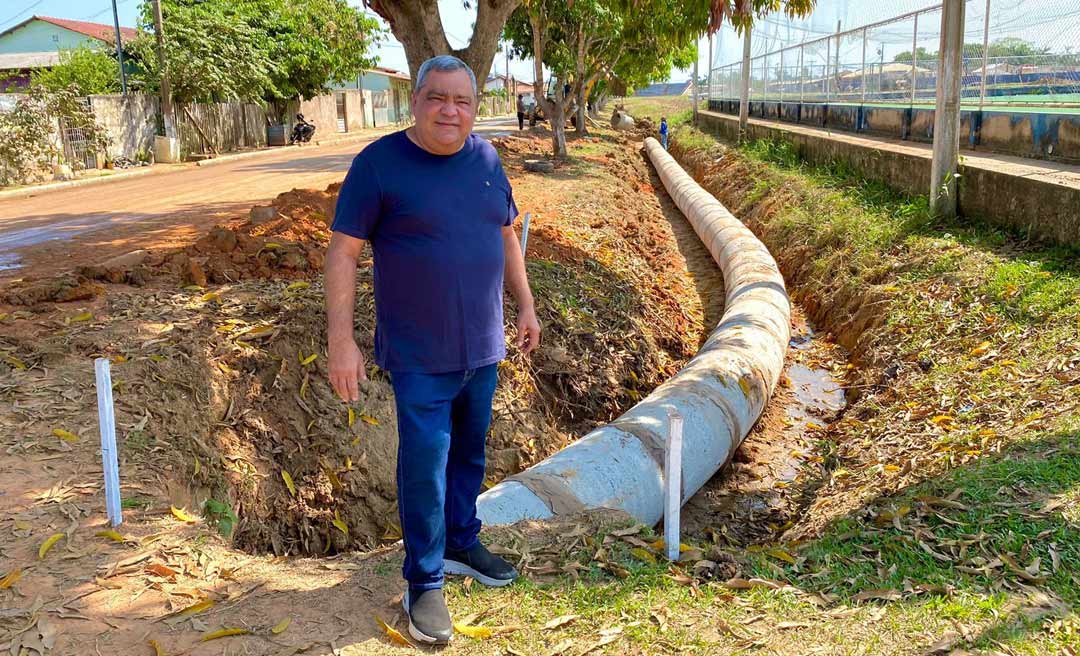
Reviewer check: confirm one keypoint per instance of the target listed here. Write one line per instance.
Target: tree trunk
(579, 81)
(553, 110)
(558, 119)
(418, 26)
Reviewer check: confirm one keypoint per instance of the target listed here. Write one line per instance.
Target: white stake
(107, 424)
(673, 484)
(525, 233)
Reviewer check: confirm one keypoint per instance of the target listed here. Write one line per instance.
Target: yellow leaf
(183, 515)
(82, 316)
(196, 608)
(309, 359)
(223, 633)
(120, 359)
(158, 651)
(812, 426)
(352, 417)
(780, 554)
(67, 436)
(478, 632)
(1043, 274)
(891, 468)
(368, 419)
(3, 316)
(941, 420)
(210, 296)
(394, 635)
(981, 349)
(226, 327)
(303, 388)
(15, 362)
(10, 579)
(642, 554)
(393, 531)
(157, 358)
(112, 535)
(271, 246)
(355, 441)
(198, 467)
(298, 285)
(288, 482)
(193, 288)
(281, 626)
(341, 526)
(48, 544)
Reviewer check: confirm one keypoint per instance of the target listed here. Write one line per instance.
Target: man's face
(444, 109)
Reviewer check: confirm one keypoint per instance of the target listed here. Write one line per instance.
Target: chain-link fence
(1016, 53)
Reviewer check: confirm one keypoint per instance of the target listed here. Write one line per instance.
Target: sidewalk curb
(86, 182)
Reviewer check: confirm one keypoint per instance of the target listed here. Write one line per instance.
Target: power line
(21, 12)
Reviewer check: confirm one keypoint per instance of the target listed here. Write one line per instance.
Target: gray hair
(442, 64)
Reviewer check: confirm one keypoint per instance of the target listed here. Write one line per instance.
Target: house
(527, 92)
(35, 44)
(665, 89)
(497, 83)
(390, 91)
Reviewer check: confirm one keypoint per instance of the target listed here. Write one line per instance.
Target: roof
(100, 31)
(664, 89)
(17, 61)
(389, 72)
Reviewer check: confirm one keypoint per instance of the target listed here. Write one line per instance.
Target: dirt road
(53, 231)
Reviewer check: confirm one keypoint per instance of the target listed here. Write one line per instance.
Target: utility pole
(943, 187)
(506, 80)
(744, 92)
(119, 49)
(695, 87)
(708, 71)
(166, 95)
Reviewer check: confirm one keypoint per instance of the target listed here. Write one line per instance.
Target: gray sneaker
(429, 618)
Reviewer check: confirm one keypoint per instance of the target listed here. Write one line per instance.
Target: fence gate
(340, 98)
(77, 150)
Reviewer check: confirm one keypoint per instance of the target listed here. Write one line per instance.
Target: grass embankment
(942, 511)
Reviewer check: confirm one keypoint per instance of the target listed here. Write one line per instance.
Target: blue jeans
(663, 141)
(443, 421)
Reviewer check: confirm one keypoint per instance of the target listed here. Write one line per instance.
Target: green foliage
(256, 50)
(88, 71)
(220, 514)
(28, 145)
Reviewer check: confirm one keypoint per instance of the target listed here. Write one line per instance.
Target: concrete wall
(39, 36)
(354, 110)
(1026, 134)
(322, 111)
(131, 122)
(1038, 207)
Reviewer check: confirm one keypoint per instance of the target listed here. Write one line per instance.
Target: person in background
(521, 112)
(663, 132)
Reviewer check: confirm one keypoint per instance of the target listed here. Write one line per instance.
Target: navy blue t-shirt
(435, 226)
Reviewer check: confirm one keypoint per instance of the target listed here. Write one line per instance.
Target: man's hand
(528, 330)
(346, 368)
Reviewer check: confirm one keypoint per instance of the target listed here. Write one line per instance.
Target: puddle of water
(744, 497)
(10, 261)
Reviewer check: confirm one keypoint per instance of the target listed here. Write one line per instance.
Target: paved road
(50, 232)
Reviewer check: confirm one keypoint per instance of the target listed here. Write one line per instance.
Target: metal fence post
(914, 58)
(986, 55)
(765, 78)
(802, 76)
(862, 69)
(825, 77)
(781, 76)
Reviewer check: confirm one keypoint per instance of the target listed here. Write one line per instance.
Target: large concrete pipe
(720, 393)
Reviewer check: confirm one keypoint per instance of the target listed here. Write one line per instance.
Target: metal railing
(894, 62)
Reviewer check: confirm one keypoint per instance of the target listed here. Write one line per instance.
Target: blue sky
(456, 20)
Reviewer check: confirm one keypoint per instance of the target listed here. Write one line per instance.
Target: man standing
(435, 204)
(521, 112)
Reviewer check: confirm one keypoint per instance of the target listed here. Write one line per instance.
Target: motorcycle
(302, 131)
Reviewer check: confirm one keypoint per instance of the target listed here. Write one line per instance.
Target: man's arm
(528, 337)
(346, 362)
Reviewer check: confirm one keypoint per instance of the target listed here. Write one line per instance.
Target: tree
(624, 44)
(28, 143)
(212, 53)
(88, 71)
(257, 49)
(418, 26)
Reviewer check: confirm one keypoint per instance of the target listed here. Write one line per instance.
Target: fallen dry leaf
(223, 633)
(48, 544)
(183, 515)
(281, 626)
(393, 633)
(559, 622)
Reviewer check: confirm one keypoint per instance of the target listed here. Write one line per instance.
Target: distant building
(35, 44)
(391, 95)
(665, 89)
